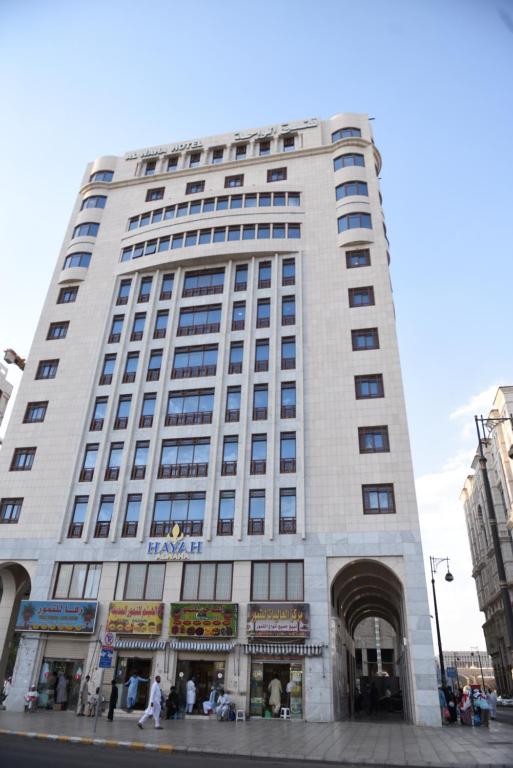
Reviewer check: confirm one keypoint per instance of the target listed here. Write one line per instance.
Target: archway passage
(15, 585)
(370, 665)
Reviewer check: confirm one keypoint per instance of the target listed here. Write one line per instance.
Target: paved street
(505, 715)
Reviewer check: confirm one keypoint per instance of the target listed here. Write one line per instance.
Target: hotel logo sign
(175, 546)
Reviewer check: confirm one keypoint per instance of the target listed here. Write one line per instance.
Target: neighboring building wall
(500, 471)
(5, 391)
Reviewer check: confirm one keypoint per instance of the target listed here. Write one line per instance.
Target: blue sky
(83, 79)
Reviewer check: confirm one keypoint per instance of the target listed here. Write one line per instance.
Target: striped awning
(284, 649)
(200, 645)
(140, 645)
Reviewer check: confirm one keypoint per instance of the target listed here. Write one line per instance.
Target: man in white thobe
(154, 705)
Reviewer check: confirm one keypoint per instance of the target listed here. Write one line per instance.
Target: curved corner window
(354, 221)
(345, 161)
(351, 188)
(95, 201)
(345, 133)
(78, 259)
(101, 176)
(88, 229)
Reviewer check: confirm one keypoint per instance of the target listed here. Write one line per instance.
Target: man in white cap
(155, 703)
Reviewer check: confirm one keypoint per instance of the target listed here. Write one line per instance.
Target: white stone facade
(289, 220)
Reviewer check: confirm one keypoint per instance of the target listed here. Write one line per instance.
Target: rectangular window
(109, 363)
(288, 353)
(142, 448)
(10, 510)
(89, 462)
(77, 581)
(277, 580)
(260, 402)
(114, 461)
(132, 513)
(217, 155)
(99, 411)
(192, 406)
(154, 194)
(166, 289)
(194, 159)
(264, 148)
(277, 174)
(234, 181)
(378, 499)
(47, 369)
(288, 400)
(35, 412)
(288, 452)
(207, 581)
(361, 297)
(232, 412)
(293, 231)
(190, 362)
(105, 509)
(263, 313)
(256, 513)
(236, 357)
(288, 272)
(236, 201)
(262, 355)
(144, 290)
(78, 517)
(265, 199)
(172, 163)
(187, 457)
(150, 167)
(204, 282)
(289, 143)
(187, 510)
(264, 274)
(140, 581)
(241, 151)
(373, 439)
(226, 513)
(241, 277)
(115, 329)
(248, 233)
(138, 326)
(123, 292)
(147, 410)
(130, 367)
(58, 330)
(230, 451)
(121, 420)
(193, 187)
(160, 329)
(238, 315)
(258, 454)
(67, 295)
(364, 338)
(369, 386)
(154, 364)
(197, 320)
(287, 510)
(288, 310)
(360, 258)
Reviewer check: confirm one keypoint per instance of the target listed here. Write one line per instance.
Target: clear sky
(83, 79)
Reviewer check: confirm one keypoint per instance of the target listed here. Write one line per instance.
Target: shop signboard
(105, 661)
(278, 620)
(74, 616)
(135, 617)
(203, 620)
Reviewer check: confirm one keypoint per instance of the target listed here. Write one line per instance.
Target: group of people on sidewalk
(472, 706)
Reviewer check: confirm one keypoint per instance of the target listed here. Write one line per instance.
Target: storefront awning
(283, 649)
(141, 645)
(191, 645)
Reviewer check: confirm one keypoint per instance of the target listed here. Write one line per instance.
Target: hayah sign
(77, 616)
(279, 620)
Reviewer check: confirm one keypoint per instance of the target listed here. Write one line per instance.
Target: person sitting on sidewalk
(31, 698)
(223, 706)
(210, 705)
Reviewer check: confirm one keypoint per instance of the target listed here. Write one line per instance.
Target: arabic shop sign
(203, 620)
(75, 616)
(135, 617)
(278, 620)
(175, 546)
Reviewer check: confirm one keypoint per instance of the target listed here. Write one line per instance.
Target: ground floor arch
(15, 585)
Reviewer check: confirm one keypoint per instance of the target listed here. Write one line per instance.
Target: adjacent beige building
(498, 450)
(5, 391)
(209, 454)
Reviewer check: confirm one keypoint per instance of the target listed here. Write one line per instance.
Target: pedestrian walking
(6, 689)
(275, 691)
(191, 695)
(483, 709)
(113, 700)
(133, 685)
(154, 705)
(83, 700)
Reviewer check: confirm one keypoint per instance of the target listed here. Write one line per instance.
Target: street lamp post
(483, 430)
(434, 563)
(480, 665)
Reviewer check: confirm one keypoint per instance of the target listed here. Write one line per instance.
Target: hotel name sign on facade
(260, 133)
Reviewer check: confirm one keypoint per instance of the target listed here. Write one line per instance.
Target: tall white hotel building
(208, 454)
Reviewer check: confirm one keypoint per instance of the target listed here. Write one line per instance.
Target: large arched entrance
(370, 657)
(15, 585)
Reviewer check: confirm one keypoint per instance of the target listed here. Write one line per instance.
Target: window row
(211, 204)
(212, 235)
(275, 580)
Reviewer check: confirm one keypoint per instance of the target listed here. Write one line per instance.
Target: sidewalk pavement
(347, 743)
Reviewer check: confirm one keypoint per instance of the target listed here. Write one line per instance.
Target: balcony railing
(288, 320)
(232, 414)
(128, 377)
(106, 378)
(182, 470)
(288, 280)
(240, 286)
(121, 422)
(187, 527)
(229, 468)
(129, 529)
(261, 365)
(193, 330)
(288, 412)
(206, 290)
(153, 374)
(287, 363)
(259, 414)
(96, 425)
(238, 325)
(101, 530)
(193, 371)
(138, 472)
(165, 295)
(258, 466)
(264, 283)
(112, 473)
(256, 526)
(263, 322)
(75, 530)
(146, 421)
(114, 338)
(225, 527)
(287, 524)
(121, 300)
(183, 419)
(86, 475)
(136, 335)
(143, 298)
(287, 465)
(159, 333)
(234, 367)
